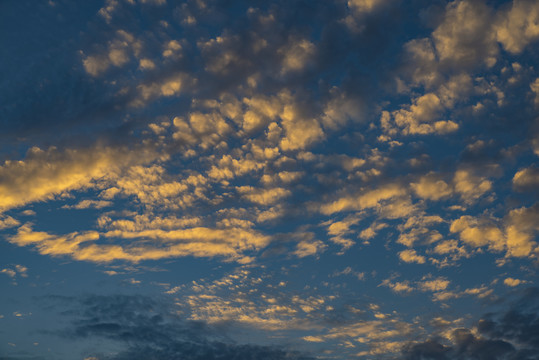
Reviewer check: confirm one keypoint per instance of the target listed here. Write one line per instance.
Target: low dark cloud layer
(509, 335)
(150, 330)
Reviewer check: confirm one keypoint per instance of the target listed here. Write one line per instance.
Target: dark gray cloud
(509, 335)
(150, 330)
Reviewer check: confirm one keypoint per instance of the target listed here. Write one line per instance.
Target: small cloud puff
(309, 248)
(411, 256)
(511, 282)
(526, 179)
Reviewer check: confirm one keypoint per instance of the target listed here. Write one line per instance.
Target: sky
(270, 180)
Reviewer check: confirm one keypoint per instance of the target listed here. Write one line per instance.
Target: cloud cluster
(230, 243)
(148, 329)
(45, 174)
(511, 334)
(516, 237)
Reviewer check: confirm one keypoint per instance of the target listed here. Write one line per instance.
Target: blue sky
(269, 179)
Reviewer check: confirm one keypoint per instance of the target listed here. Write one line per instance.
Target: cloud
(366, 6)
(152, 186)
(465, 36)
(204, 130)
(468, 35)
(222, 54)
(411, 256)
(535, 89)
(512, 282)
(301, 130)
(438, 70)
(229, 243)
(296, 54)
(518, 26)
(108, 9)
(145, 328)
(371, 331)
(434, 285)
(398, 286)
(526, 179)
(89, 204)
(167, 86)
(273, 311)
(521, 226)
(364, 200)
(14, 271)
(263, 197)
(371, 231)
(421, 117)
(515, 234)
(9, 272)
(7, 222)
(283, 131)
(426, 284)
(341, 108)
(469, 185)
(44, 174)
(116, 54)
(511, 334)
(361, 9)
(309, 248)
(418, 229)
(432, 188)
(425, 114)
(340, 231)
(478, 233)
(422, 63)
